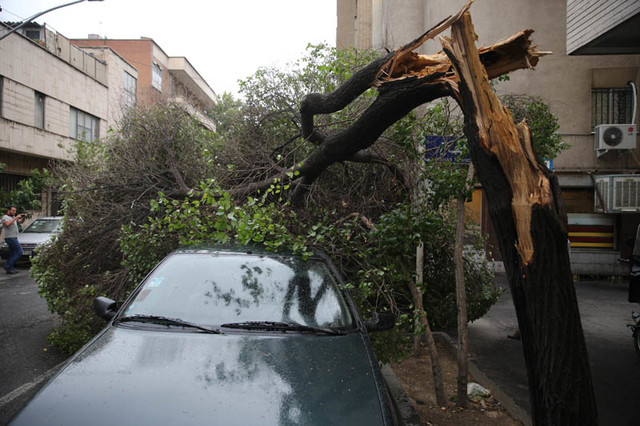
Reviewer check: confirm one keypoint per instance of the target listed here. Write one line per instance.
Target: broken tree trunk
(423, 321)
(528, 215)
(461, 295)
(405, 80)
(524, 198)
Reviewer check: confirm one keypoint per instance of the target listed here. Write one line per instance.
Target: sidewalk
(498, 362)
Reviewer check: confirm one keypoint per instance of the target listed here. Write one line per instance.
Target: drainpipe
(635, 101)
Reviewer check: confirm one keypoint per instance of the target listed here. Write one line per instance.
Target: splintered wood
(498, 59)
(498, 134)
(462, 63)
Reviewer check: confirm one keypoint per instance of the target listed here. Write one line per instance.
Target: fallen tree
(524, 198)
(528, 213)
(525, 202)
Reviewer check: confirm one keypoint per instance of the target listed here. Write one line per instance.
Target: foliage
(160, 181)
(211, 218)
(27, 196)
(264, 136)
(544, 126)
(384, 263)
(110, 184)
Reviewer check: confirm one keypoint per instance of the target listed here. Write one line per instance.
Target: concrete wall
(346, 11)
(116, 69)
(138, 53)
(27, 67)
(355, 23)
(563, 81)
(143, 53)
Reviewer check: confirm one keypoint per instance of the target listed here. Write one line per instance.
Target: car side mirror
(380, 321)
(104, 307)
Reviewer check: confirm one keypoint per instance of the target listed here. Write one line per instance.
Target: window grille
(612, 106)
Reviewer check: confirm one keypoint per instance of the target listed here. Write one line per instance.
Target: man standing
(10, 225)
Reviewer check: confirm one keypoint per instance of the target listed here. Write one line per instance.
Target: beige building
(54, 91)
(51, 94)
(161, 76)
(596, 53)
(122, 79)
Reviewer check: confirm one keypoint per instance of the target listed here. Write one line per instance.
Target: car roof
(244, 250)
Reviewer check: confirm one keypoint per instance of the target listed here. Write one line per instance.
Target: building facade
(51, 95)
(161, 77)
(589, 83)
(54, 92)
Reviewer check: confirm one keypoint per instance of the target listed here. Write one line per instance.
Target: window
(39, 110)
(32, 34)
(156, 77)
(130, 86)
(83, 126)
(612, 106)
(1, 93)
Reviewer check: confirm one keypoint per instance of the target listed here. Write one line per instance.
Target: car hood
(34, 237)
(132, 376)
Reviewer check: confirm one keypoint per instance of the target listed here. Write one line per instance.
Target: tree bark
(524, 198)
(436, 369)
(404, 80)
(461, 297)
(528, 215)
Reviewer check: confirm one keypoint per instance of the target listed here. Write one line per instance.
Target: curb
(516, 411)
(409, 415)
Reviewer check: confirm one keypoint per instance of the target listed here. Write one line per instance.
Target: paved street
(25, 352)
(615, 366)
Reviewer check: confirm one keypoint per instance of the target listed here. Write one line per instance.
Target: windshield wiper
(155, 319)
(280, 326)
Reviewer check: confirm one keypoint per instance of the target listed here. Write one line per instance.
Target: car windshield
(212, 289)
(44, 226)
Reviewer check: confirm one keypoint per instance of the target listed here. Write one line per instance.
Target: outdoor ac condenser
(615, 136)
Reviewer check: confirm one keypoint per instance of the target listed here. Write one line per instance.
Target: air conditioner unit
(617, 194)
(615, 136)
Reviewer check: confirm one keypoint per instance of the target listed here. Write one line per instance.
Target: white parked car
(37, 233)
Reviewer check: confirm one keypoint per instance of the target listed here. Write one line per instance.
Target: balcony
(180, 68)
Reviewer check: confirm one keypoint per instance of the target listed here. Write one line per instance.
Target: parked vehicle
(40, 231)
(225, 336)
(634, 290)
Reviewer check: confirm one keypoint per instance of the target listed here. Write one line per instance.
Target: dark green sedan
(224, 337)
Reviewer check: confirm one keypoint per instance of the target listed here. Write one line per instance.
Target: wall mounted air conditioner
(615, 136)
(617, 194)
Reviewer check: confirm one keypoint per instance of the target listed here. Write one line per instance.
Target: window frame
(156, 76)
(33, 34)
(78, 125)
(39, 109)
(130, 91)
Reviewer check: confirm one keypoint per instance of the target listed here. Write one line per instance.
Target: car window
(47, 226)
(213, 289)
(636, 247)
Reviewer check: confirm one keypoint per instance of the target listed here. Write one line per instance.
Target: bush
(110, 184)
(159, 182)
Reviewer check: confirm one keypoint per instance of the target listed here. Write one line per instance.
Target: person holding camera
(10, 225)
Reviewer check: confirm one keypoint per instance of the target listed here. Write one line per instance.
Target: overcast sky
(225, 40)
